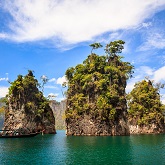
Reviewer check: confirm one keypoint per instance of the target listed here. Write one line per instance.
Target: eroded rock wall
(19, 119)
(88, 126)
(152, 128)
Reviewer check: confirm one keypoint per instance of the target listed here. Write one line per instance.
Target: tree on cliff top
(144, 105)
(95, 46)
(97, 86)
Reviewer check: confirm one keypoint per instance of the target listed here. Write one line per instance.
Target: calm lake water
(60, 150)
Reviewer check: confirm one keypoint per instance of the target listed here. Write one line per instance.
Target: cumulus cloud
(61, 80)
(70, 22)
(3, 91)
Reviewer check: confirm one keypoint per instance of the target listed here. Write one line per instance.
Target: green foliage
(25, 91)
(144, 103)
(97, 86)
(95, 46)
(2, 110)
(114, 47)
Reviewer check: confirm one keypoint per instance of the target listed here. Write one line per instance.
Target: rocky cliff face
(59, 113)
(154, 127)
(20, 119)
(88, 126)
(146, 129)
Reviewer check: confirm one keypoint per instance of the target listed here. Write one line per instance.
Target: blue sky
(49, 36)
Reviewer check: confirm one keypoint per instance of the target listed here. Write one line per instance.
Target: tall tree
(95, 46)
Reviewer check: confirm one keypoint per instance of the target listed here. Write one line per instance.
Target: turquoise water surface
(60, 150)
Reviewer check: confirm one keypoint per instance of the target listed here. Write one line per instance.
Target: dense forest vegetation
(144, 105)
(25, 91)
(97, 87)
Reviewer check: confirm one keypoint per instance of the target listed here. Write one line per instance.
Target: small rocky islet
(96, 103)
(26, 107)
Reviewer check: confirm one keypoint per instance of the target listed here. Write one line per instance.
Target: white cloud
(146, 70)
(50, 87)
(61, 80)
(52, 80)
(130, 86)
(146, 24)
(53, 94)
(3, 79)
(154, 40)
(159, 74)
(3, 36)
(3, 91)
(70, 22)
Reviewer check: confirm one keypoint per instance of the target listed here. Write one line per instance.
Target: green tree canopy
(144, 103)
(25, 91)
(97, 86)
(114, 47)
(95, 46)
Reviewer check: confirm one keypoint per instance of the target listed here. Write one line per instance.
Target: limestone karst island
(96, 102)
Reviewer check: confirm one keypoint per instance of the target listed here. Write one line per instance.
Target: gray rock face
(146, 129)
(87, 126)
(90, 127)
(151, 128)
(19, 119)
(59, 113)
